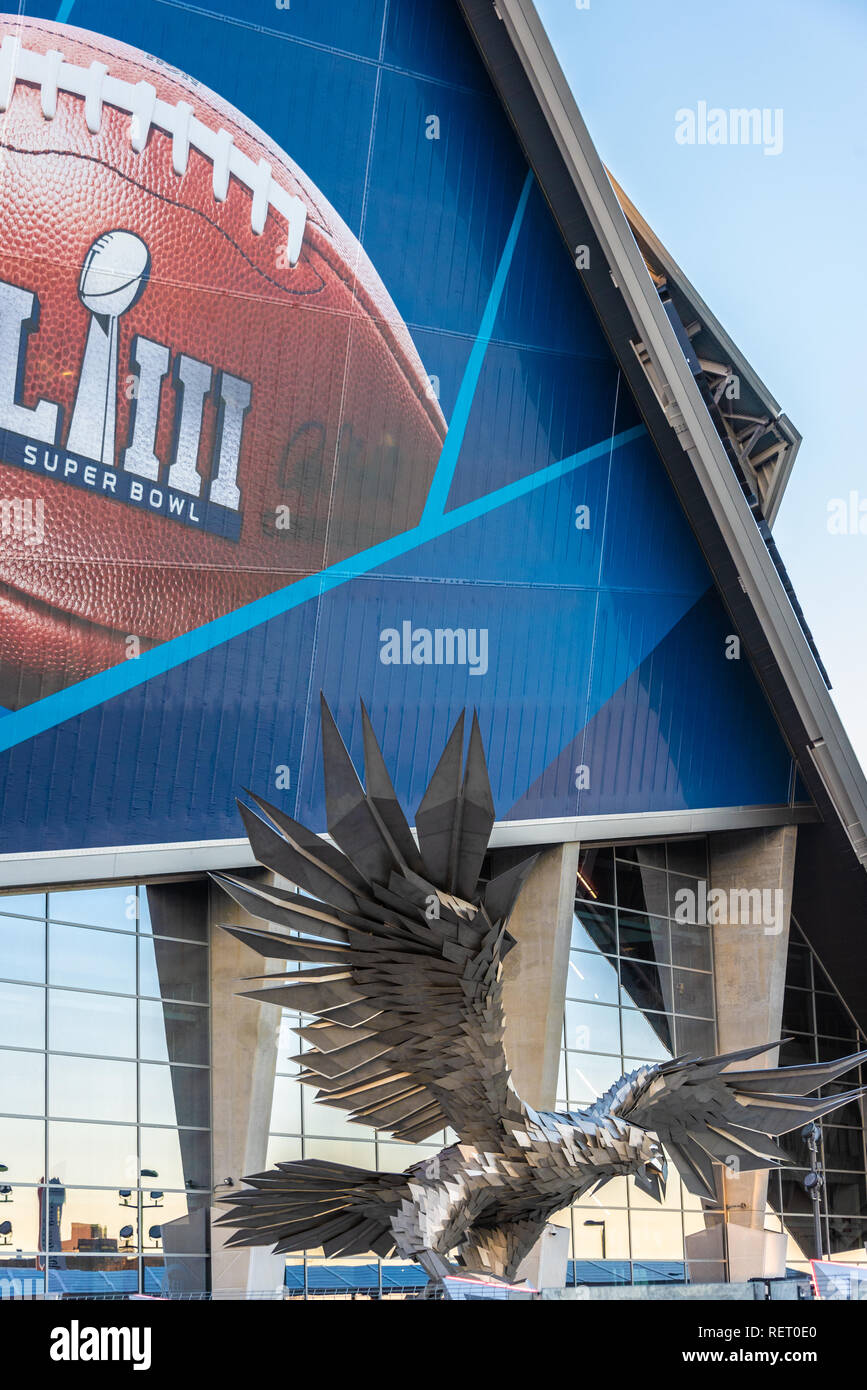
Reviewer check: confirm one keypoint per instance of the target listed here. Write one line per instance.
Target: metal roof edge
(832, 755)
(779, 482)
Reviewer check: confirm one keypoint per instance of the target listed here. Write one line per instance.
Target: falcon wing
(400, 951)
(703, 1111)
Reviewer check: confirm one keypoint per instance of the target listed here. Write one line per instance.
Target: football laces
(96, 86)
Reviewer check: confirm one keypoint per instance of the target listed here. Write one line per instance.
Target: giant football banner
(301, 392)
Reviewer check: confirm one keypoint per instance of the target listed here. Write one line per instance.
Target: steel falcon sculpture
(403, 948)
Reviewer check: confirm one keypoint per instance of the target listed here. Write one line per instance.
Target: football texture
(206, 392)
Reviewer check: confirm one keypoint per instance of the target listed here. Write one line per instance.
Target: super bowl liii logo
(113, 277)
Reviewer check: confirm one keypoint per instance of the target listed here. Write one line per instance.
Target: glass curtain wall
(821, 1029)
(639, 989)
(302, 1127)
(104, 1090)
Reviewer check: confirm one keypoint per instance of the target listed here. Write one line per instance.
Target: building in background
(502, 457)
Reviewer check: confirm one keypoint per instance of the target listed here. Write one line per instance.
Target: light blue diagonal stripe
(445, 471)
(64, 11)
(65, 704)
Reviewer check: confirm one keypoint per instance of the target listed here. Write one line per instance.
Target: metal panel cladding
(300, 391)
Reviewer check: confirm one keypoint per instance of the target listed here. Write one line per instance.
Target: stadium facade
(239, 486)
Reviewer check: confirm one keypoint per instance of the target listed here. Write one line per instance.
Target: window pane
(646, 986)
(848, 1237)
(596, 875)
(642, 1201)
(798, 966)
(589, 1076)
(693, 993)
(174, 909)
(656, 1235)
(690, 945)
(86, 959)
(91, 1023)
(180, 1157)
(594, 928)
(324, 1121)
(91, 1089)
(22, 949)
(288, 1044)
(173, 1032)
(173, 970)
(688, 857)
(22, 1150)
(643, 938)
(179, 1236)
(19, 1206)
(613, 1194)
(22, 1083)
(23, 904)
(647, 1037)
(395, 1158)
(820, 979)
(832, 1019)
(90, 1220)
(592, 1028)
(693, 1035)
(354, 1152)
(650, 856)
(844, 1148)
(286, 1106)
(829, 1050)
(90, 1155)
(798, 1010)
(181, 1218)
(687, 893)
(95, 907)
(22, 1016)
(642, 889)
(589, 1229)
(174, 1274)
(174, 1095)
(846, 1114)
(282, 1150)
(846, 1194)
(800, 1049)
(92, 1274)
(592, 977)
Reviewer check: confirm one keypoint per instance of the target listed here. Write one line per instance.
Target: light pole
(602, 1224)
(814, 1182)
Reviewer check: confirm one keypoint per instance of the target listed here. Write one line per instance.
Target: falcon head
(652, 1169)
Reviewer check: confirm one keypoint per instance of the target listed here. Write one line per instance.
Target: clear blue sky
(775, 244)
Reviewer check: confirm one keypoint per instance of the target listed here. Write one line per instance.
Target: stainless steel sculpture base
(403, 948)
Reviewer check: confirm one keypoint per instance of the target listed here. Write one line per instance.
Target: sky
(775, 243)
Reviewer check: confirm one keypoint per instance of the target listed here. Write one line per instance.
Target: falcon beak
(651, 1178)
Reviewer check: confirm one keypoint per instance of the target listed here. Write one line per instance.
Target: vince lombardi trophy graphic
(113, 276)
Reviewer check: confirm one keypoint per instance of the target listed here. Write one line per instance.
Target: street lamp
(814, 1182)
(602, 1224)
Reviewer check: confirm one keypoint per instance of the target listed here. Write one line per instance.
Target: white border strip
(112, 863)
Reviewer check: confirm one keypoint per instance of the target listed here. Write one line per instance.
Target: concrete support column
(534, 997)
(754, 871)
(244, 1036)
(534, 975)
